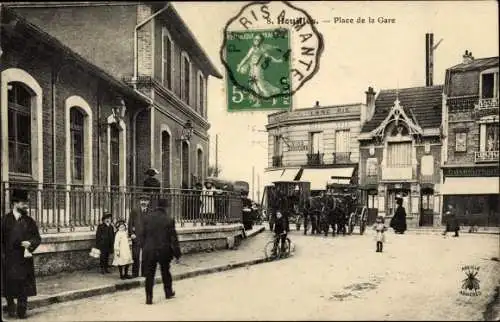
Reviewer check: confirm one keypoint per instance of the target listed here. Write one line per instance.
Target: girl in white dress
(380, 229)
(122, 253)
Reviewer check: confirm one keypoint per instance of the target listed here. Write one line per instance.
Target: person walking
(122, 254)
(104, 241)
(452, 224)
(135, 223)
(398, 221)
(160, 246)
(20, 238)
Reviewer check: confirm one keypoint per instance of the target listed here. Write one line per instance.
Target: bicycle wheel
(268, 250)
(288, 247)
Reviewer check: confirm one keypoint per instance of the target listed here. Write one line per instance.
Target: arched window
(77, 137)
(186, 79)
(19, 125)
(185, 163)
(114, 158)
(199, 170)
(167, 54)
(165, 159)
(201, 94)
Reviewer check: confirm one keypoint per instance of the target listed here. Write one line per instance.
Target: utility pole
(258, 187)
(216, 155)
(253, 182)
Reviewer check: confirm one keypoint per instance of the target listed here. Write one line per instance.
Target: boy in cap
(104, 240)
(20, 238)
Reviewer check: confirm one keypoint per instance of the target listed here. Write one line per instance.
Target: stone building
(148, 46)
(66, 123)
(400, 152)
(317, 144)
(471, 144)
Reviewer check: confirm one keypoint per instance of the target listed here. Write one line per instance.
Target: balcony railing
(65, 208)
(315, 158)
(341, 157)
(486, 156)
(277, 160)
(487, 103)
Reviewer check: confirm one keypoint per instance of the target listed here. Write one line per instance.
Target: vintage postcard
(249, 160)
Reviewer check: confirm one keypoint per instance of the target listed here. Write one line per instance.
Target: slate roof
(479, 63)
(423, 102)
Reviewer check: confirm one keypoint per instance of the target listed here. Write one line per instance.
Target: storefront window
(479, 210)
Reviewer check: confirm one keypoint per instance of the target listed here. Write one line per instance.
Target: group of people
(154, 240)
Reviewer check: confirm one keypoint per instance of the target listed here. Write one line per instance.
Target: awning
(289, 174)
(271, 176)
(470, 186)
(320, 178)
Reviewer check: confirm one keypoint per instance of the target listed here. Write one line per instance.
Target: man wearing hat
(151, 183)
(20, 238)
(159, 245)
(135, 222)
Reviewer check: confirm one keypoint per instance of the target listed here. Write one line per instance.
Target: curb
(255, 232)
(130, 284)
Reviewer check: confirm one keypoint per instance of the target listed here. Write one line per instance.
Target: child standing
(123, 254)
(104, 240)
(380, 228)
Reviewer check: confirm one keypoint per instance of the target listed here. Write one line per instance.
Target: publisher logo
(470, 285)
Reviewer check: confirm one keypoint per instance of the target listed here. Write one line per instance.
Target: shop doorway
(426, 207)
(391, 200)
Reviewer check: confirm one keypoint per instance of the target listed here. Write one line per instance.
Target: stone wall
(68, 252)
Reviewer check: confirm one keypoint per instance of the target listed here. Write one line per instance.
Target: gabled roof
(480, 63)
(422, 104)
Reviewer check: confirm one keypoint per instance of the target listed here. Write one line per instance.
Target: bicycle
(273, 249)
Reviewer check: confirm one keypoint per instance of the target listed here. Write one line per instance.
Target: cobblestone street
(419, 276)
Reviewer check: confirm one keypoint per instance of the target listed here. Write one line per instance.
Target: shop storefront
(473, 193)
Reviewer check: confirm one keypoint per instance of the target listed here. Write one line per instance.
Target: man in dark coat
(135, 223)
(398, 221)
(160, 245)
(452, 223)
(20, 238)
(105, 242)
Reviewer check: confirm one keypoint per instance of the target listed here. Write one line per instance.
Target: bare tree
(213, 171)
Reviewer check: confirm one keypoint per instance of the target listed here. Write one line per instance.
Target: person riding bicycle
(281, 228)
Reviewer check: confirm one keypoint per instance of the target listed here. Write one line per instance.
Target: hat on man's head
(106, 216)
(19, 195)
(144, 196)
(151, 172)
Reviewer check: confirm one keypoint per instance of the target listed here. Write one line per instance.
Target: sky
(355, 56)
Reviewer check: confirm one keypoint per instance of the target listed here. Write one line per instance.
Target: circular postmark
(270, 50)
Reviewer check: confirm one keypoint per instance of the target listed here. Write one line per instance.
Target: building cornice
(171, 98)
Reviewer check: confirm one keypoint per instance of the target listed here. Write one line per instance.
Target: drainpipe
(136, 45)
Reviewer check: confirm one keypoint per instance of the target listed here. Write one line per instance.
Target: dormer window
(489, 84)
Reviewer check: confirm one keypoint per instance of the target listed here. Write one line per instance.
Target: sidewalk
(463, 230)
(81, 284)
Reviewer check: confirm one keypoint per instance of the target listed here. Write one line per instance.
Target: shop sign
(299, 145)
(471, 172)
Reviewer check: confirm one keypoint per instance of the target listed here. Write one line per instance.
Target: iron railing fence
(66, 208)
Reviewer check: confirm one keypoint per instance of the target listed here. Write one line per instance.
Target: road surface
(417, 277)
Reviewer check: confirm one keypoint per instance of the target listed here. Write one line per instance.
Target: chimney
(368, 110)
(467, 57)
(317, 104)
(429, 59)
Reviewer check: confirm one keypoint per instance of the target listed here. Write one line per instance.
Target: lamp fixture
(187, 131)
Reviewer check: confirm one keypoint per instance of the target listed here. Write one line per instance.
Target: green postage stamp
(258, 73)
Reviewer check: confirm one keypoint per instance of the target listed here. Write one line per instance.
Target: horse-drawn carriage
(290, 197)
(357, 214)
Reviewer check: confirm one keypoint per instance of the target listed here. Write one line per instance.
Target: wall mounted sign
(299, 145)
(472, 172)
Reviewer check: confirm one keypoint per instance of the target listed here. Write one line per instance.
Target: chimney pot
(317, 103)
(467, 57)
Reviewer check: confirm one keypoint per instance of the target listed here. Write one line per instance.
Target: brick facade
(111, 32)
